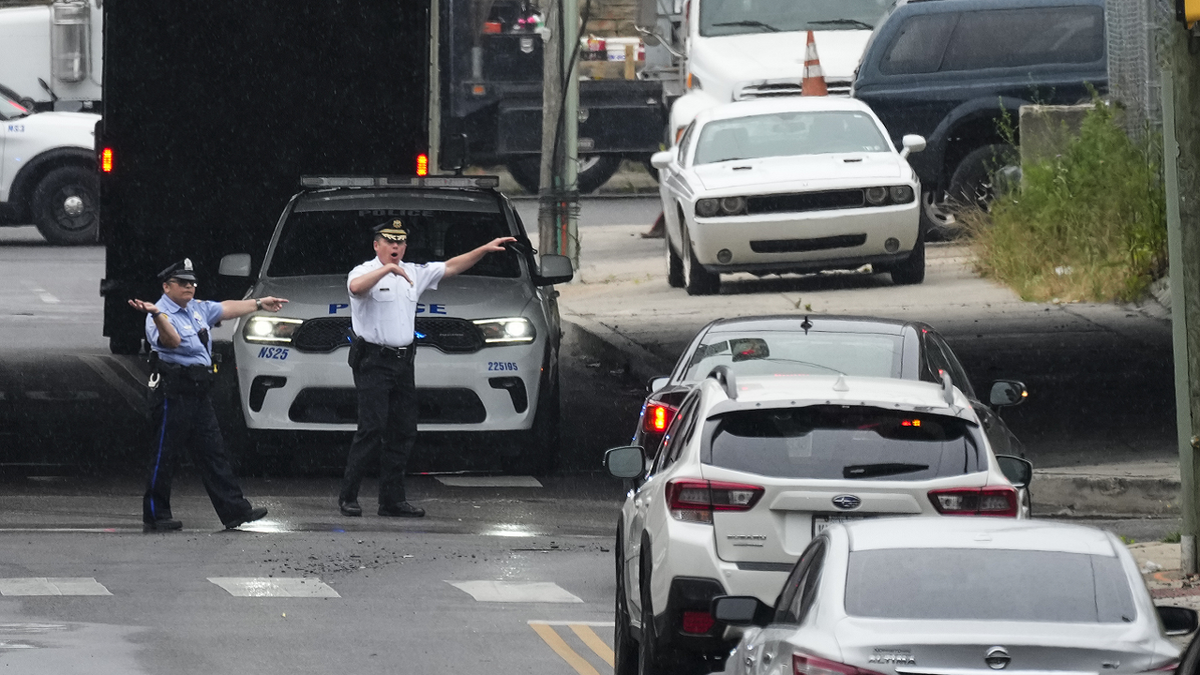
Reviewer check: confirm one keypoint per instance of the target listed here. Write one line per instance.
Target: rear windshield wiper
(882, 469)
(843, 22)
(749, 23)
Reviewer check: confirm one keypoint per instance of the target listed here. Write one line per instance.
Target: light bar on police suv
(480, 182)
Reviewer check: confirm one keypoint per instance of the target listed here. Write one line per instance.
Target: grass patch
(1087, 225)
(1172, 538)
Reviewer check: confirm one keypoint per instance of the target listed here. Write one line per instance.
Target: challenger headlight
(707, 208)
(733, 206)
(901, 194)
(877, 195)
(506, 331)
(270, 330)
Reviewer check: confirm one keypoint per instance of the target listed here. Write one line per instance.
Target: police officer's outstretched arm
(167, 335)
(232, 309)
(461, 263)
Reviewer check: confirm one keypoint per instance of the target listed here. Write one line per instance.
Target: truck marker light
(422, 164)
(106, 160)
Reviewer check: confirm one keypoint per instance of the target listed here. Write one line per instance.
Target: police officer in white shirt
(384, 292)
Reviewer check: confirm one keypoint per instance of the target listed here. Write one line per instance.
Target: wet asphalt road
(509, 575)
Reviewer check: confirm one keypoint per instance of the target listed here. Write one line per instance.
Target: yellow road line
(592, 640)
(562, 649)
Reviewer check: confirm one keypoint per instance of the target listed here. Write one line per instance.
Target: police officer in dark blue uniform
(177, 328)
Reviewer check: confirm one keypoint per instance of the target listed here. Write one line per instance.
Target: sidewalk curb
(634, 359)
(1079, 494)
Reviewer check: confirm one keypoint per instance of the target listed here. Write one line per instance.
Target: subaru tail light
(988, 501)
(695, 500)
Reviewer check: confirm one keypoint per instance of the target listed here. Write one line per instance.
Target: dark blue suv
(950, 69)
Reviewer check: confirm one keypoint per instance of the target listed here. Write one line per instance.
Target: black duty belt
(176, 369)
(391, 352)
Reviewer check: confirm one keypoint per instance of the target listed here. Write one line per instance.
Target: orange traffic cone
(814, 78)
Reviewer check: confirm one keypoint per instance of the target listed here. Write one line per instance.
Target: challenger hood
(465, 297)
(807, 172)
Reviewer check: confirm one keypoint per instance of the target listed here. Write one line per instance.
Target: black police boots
(350, 508)
(162, 525)
(401, 510)
(250, 516)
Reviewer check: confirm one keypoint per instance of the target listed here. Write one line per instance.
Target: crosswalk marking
(515, 591)
(264, 587)
(51, 586)
(489, 481)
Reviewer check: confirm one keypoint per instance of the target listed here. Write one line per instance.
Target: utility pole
(1181, 172)
(558, 199)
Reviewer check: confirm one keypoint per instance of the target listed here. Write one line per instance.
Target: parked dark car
(798, 345)
(952, 70)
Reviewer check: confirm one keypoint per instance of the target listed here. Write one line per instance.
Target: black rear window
(336, 240)
(988, 585)
(842, 442)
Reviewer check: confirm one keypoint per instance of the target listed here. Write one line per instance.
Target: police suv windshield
(843, 443)
(331, 233)
(734, 17)
(798, 353)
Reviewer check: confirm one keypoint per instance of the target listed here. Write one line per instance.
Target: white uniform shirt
(386, 314)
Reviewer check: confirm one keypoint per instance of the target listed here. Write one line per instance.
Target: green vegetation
(1087, 225)
(1171, 538)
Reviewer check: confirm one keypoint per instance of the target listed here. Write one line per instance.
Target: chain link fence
(1133, 28)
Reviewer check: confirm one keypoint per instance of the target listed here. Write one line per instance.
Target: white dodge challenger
(789, 184)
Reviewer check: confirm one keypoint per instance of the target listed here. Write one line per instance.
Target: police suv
(48, 172)
(487, 340)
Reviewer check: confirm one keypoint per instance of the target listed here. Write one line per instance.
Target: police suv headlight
(270, 330)
(506, 331)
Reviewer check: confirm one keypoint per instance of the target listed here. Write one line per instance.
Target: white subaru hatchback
(487, 340)
(750, 471)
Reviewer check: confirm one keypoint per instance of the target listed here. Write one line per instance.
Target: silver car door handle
(767, 658)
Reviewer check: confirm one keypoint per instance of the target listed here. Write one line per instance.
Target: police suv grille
(323, 335)
(339, 405)
(455, 336)
(805, 201)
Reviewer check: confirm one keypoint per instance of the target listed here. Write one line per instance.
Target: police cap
(392, 230)
(182, 270)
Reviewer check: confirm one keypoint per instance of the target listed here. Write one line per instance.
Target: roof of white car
(778, 104)
(845, 390)
(976, 532)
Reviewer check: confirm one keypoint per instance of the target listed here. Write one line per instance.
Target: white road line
(263, 587)
(43, 295)
(486, 590)
(52, 586)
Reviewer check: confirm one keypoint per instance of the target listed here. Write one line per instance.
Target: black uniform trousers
(188, 421)
(387, 423)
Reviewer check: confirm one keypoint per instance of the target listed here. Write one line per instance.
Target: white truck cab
(51, 55)
(728, 50)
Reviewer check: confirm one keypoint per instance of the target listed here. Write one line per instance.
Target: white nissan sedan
(789, 184)
(965, 596)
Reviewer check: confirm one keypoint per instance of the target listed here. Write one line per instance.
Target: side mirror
(626, 462)
(1178, 620)
(1007, 393)
(235, 265)
(555, 269)
(740, 610)
(456, 153)
(657, 383)
(1018, 471)
(662, 159)
(912, 143)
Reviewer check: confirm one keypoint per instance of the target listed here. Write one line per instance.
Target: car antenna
(806, 324)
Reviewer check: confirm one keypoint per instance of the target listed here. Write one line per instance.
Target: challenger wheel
(696, 279)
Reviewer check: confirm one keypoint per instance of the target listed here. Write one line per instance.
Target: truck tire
(594, 171)
(66, 206)
(972, 182)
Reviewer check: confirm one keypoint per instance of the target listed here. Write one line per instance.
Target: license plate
(823, 520)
